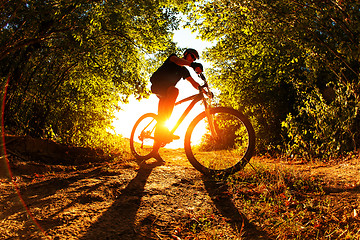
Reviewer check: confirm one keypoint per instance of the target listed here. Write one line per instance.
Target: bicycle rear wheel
(142, 137)
(225, 152)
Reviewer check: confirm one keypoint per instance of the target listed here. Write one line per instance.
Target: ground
(122, 200)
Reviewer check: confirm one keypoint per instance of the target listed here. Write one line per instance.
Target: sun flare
(126, 118)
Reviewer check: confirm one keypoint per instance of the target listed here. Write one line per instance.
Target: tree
(68, 63)
(250, 65)
(271, 55)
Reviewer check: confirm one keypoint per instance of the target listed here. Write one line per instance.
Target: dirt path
(122, 201)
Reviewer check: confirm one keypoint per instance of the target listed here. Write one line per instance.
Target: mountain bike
(220, 140)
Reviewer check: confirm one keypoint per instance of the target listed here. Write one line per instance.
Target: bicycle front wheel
(142, 139)
(225, 149)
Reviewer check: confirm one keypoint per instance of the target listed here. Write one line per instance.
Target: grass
(293, 206)
(284, 204)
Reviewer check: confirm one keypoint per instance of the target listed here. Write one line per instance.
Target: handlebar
(201, 75)
(205, 87)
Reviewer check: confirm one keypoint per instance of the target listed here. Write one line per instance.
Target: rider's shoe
(169, 138)
(172, 137)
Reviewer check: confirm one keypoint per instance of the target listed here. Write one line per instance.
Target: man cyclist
(163, 83)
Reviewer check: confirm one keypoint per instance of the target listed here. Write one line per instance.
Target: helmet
(191, 51)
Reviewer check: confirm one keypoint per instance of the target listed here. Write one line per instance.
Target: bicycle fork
(211, 122)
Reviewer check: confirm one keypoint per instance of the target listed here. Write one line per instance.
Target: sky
(126, 118)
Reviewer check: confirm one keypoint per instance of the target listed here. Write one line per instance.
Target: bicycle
(227, 140)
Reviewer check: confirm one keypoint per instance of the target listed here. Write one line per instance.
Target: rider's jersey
(167, 75)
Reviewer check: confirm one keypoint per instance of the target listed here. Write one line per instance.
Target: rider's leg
(166, 104)
(165, 109)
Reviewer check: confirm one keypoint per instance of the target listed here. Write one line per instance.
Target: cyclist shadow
(221, 197)
(118, 221)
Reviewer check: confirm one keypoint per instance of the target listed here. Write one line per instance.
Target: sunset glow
(126, 118)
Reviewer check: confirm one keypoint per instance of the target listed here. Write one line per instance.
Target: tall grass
(283, 204)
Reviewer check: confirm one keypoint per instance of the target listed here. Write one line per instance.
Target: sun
(196, 136)
(126, 118)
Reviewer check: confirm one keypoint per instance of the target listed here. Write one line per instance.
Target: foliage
(271, 55)
(226, 127)
(69, 63)
(321, 129)
(246, 66)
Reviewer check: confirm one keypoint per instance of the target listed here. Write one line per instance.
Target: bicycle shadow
(118, 221)
(221, 197)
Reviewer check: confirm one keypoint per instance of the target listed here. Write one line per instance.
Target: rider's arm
(180, 61)
(193, 82)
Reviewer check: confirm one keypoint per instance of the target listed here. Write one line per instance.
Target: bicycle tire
(143, 131)
(223, 155)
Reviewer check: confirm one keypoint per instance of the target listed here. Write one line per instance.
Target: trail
(120, 200)
(115, 201)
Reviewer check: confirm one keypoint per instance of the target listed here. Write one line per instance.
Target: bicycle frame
(195, 98)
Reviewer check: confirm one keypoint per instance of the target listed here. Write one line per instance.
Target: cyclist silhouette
(163, 83)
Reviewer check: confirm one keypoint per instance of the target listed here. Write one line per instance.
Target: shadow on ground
(221, 197)
(118, 221)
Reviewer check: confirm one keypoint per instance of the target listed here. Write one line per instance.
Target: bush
(323, 129)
